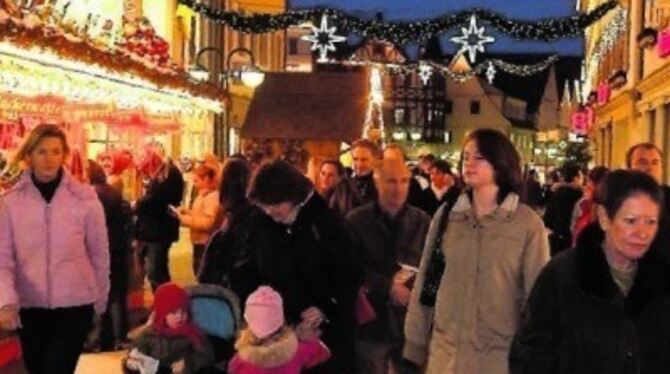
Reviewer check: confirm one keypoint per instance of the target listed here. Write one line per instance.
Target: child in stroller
(178, 337)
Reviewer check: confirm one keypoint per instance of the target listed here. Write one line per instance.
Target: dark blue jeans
(157, 262)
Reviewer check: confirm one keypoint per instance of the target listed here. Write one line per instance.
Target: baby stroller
(216, 311)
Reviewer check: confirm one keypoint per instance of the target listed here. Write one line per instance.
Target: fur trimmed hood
(279, 351)
(594, 275)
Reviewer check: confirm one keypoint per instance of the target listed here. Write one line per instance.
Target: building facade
(638, 74)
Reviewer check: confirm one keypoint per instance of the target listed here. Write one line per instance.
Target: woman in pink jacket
(54, 260)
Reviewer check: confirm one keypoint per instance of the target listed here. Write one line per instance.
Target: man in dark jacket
(391, 234)
(648, 158)
(304, 251)
(441, 189)
(360, 188)
(558, 216)
(157, 228)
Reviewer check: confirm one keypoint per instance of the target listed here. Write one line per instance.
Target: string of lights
(606, 41)
(406, 32)
(461, 76)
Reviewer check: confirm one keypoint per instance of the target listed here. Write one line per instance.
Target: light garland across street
(406, 32)
(484, 67)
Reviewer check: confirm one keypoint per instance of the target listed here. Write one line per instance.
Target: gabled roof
(531, 89)
(308, 106)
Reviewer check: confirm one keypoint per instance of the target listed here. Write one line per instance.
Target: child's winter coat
(285, 354)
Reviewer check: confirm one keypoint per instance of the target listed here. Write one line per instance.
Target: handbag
(365, 312)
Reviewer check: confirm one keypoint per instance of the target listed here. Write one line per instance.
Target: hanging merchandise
(323, 39)
(406, 32)
(425, 72)
(472, 39)
(490, 73)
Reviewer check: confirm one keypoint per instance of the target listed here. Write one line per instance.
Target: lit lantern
(604, 93)
(663, 46)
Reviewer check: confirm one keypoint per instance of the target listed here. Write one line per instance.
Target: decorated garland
(406, 32)
(425, 68)
(30, 31)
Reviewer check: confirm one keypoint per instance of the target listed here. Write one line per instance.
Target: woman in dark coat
(228, 258)
(305, 252)
(118, 217)
(603, 307)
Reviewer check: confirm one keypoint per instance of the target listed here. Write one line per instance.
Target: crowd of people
(378, 269)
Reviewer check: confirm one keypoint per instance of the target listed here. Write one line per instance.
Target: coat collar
(504, 211)
(77, 189)
(277, 352)
(594, 277)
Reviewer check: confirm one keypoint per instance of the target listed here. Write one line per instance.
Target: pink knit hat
(264, 312)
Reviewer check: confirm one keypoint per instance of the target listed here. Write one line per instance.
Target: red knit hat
(169, 298)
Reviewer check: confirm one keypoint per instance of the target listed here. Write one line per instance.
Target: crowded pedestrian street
(334, 187)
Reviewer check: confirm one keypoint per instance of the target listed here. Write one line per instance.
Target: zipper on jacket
(48, 254)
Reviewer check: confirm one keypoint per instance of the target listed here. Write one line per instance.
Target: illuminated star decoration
(323, 39)
(425, 72)
(472, 39)
(491, 73)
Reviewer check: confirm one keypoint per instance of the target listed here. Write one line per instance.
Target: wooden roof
(308, 106)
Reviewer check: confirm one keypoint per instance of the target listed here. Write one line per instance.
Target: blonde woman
(54, 258)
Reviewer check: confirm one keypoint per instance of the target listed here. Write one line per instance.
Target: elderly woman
(603, 307)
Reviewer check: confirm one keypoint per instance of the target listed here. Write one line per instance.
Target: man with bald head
(391, 235)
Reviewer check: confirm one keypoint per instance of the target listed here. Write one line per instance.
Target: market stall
(114, 90)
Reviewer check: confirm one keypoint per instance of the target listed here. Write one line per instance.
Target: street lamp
(250, 75)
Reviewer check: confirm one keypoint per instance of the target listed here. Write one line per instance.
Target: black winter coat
(118, 218)
(385, 243)
(154, 222)
(229, 259)
(578, 321)
(313, 263)
(429, 203)
(559, 215)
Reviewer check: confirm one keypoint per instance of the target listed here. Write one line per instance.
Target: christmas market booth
(114, 90)
(304, 116)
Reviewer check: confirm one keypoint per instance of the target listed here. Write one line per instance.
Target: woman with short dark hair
(475, 274)
(304, 251)
(604, 306)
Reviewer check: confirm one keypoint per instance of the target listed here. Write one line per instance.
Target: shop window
(475, 107)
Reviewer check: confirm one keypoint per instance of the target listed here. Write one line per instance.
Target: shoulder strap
(437, 263)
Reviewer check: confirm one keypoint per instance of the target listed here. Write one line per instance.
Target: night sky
(422, 9)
